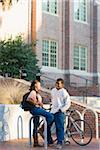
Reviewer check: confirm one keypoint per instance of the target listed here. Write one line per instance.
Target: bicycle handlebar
(48, 108)
(71, 110)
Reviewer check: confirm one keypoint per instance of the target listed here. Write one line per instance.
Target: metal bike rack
(96, 119)
(19, 120)
(45, 131)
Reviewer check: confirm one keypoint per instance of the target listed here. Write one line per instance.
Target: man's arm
(67, 103)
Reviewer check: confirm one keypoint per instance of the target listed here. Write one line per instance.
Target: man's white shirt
(60, 100)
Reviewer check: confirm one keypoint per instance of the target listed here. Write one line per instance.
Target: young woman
(36, 100)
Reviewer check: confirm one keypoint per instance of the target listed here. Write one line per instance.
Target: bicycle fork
(79, 129)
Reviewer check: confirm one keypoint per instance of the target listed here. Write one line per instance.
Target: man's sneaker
(59, 146)
(66, 139)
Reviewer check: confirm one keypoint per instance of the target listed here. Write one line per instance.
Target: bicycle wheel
(81, 132)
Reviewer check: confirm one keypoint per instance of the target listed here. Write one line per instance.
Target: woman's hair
(32, 87)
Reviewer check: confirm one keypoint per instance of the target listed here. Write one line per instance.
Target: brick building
(67, 34)
(68, 40)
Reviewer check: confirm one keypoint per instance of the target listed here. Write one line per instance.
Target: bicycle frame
(77, 127)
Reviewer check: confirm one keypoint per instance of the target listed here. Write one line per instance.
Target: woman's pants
(37, 111)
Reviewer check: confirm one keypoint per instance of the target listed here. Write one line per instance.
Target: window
(49, 53)
(80, 58)
(50, 6)
(80, 10)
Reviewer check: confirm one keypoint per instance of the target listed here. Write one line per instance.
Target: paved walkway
(22, 144)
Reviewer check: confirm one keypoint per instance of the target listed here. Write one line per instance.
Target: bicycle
(77, 129)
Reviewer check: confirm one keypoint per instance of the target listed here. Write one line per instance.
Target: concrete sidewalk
(22, 144)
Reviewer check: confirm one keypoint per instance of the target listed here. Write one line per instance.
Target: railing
(19, 123)
(96, 120)
(94, 111)
(45, 132)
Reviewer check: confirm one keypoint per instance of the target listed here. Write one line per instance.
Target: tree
(18, 58)
(7, 3)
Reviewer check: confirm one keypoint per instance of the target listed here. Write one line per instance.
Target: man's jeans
(49, 118)
(59, 122)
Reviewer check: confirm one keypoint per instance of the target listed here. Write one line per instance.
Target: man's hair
(61, 80)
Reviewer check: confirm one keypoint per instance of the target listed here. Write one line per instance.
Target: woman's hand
(40, 104)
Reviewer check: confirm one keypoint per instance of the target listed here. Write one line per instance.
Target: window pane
(49, 53)
(53, 6)
(45, 46)
(76, 10)
(53, 60)
(76, 63)
(53, 51)
(83, 10)
(50, 6)
(83, 64)
(80, 12)
(83, 52)
(45, 53)
(83, 58)
(44, 5)
(76, 51)
(80, 58)
(45, 59)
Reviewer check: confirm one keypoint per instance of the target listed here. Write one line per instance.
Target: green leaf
(17, 56)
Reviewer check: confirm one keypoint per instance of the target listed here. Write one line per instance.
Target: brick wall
(83, 91)
(89, 116)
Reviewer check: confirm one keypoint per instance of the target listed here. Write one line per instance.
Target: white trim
(51, 69)
(56, 70)
(79, 21)
(79, 72)
(46, 69)
(46, 12)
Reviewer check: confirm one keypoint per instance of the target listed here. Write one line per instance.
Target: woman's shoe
(37, 145)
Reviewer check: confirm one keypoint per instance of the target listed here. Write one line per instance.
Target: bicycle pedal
(67, 142)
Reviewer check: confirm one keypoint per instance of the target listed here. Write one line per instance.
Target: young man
(61, 102)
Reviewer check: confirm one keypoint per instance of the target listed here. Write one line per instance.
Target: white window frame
(49, 12)
(79, 47)
(49, 53)
(80, 20)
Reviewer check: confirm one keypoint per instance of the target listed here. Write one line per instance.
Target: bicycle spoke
(81, 132)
